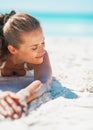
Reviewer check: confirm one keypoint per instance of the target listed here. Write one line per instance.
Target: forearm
(39, 91)
(34, 90)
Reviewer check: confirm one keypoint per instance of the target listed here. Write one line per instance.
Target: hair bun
(1, 19)
(7, 16)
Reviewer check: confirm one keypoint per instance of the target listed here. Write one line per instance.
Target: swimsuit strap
(2, 66)
(25, 66)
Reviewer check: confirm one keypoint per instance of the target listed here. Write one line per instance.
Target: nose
(41, 48)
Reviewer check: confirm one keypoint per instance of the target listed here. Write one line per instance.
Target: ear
(12, 49)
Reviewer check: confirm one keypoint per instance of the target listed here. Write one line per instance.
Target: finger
(10, 100)
(6, 107)
(11, 94)
(15, 116)
(3, 112)
(22, 103)
(24, 108)
(18, 107)
(2, 117)
(14, 97)
(14, 105)
(24, 111)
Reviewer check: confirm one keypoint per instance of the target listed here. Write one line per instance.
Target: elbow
(46, 78)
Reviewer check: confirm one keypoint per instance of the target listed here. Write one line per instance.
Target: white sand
(72, 65)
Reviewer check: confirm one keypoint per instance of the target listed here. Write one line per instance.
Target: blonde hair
(12, 26)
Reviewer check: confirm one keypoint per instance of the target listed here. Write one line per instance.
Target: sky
(64, 6)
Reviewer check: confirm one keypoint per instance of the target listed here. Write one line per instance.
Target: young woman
(22, 47)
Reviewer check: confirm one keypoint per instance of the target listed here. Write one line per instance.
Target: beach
(72, 61)
(67, 26)
(69, 104)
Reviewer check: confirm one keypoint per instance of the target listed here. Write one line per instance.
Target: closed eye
(43, 43)
(34, 48)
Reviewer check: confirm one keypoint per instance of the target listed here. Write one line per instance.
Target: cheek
(28, 55)
(31, 55)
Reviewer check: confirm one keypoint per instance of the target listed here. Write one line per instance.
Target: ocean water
(65, 24)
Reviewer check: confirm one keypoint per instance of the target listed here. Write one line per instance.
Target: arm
(43, 72)
(42, 79)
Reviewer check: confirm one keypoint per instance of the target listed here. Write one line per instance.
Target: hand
(9, 105)
(23, 95)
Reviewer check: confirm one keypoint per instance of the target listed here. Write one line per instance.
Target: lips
(41, 56)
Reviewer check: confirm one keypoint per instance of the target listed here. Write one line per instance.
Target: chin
(37, 61)
(40, 62)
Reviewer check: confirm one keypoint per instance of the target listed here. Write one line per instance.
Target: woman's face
(32, 49)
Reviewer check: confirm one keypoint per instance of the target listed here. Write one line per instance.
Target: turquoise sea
(65, 24)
